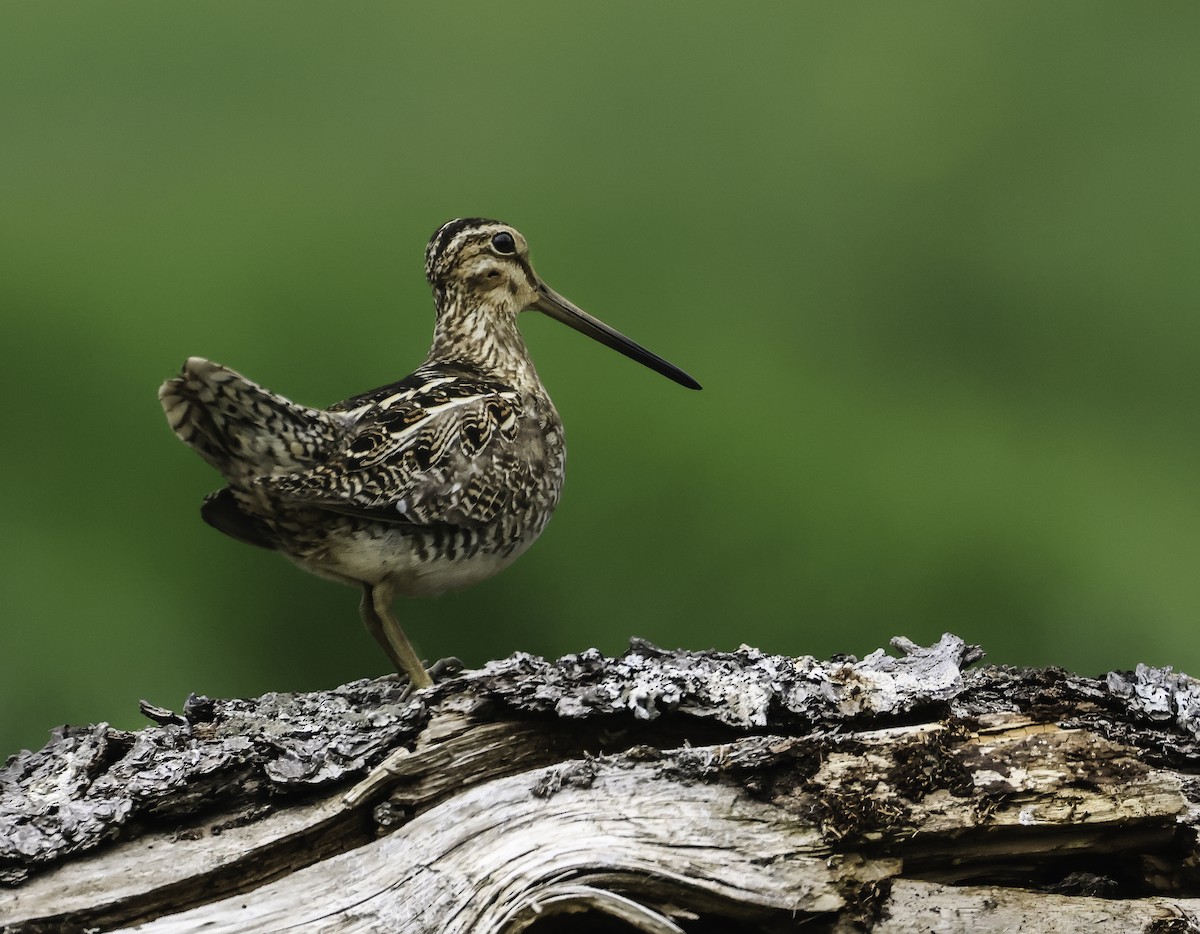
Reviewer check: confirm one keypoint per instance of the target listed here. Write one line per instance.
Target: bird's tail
(238, 426)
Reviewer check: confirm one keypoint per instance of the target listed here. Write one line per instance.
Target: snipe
(427, 485)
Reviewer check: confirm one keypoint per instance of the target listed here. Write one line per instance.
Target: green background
(934, 263)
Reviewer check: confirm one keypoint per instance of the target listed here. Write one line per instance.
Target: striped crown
(449, 239)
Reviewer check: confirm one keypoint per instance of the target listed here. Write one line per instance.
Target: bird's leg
(377, 615)
(366, 610)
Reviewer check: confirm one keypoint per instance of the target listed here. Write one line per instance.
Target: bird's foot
(445, 668)
(442, 670)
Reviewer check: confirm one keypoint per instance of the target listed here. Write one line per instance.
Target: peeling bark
(658, 791)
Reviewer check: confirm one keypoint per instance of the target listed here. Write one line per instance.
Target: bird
(423, 486)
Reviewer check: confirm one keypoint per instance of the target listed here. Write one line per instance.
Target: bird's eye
(504, 243)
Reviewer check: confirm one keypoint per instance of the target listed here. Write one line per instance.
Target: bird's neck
(484, 339)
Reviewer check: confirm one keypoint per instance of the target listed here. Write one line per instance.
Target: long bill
(551, 303)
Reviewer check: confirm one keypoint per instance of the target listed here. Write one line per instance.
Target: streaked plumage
(427, 485)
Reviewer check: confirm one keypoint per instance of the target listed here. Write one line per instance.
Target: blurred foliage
(935, 264)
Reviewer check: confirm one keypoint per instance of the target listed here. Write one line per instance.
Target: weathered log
(658, 792)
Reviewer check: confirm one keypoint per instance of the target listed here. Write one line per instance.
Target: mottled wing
(449, 449)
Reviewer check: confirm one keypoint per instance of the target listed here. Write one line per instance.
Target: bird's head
(478, 263)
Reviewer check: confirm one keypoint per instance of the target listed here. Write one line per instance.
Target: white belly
(391, 558)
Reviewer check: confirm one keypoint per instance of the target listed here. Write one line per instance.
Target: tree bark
(658, 792)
